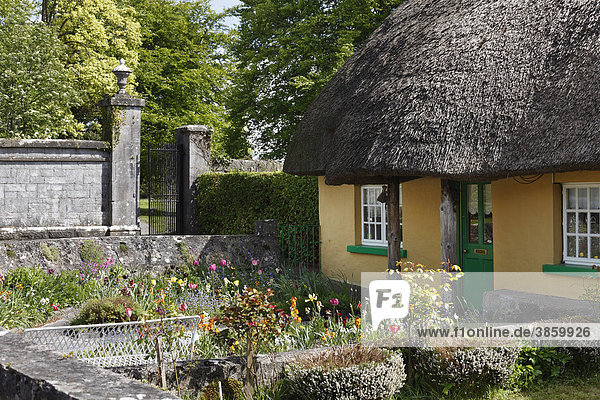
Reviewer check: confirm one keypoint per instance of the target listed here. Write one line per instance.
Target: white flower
(45, 300)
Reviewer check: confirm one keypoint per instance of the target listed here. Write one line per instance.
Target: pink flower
(260, 271)
(255, 262)
(223, 262)
(193, 286)
(334, 302)
(129, 312)
(195, 263)
(183, 307)
(213, 267)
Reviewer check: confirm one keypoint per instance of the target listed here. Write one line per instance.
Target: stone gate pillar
(194, 143)
(122, 129)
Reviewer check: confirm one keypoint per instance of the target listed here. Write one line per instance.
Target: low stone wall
(145, 252)
(29, 372)
(196, 375)
(53, 184)
(248, 166)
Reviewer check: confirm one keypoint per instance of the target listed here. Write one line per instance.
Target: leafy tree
(286, 52)
(183, 71)
(96, 33)
(36, 91)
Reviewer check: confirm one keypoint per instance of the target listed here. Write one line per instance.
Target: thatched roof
(472, 89)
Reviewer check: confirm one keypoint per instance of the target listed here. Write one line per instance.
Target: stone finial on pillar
(121, 126)
(194, 143)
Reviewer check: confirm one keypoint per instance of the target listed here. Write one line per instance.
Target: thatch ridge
(471, 89)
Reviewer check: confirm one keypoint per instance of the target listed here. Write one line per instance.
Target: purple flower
(195, 263)
(334, 302)
(50, 271)
(160, 311)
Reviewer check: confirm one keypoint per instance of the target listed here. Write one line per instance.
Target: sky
(220, 5)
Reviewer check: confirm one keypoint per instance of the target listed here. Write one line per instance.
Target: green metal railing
(300, 247)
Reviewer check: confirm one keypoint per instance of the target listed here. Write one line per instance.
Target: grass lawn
(572, 388)
(569, 387)
(144, 210)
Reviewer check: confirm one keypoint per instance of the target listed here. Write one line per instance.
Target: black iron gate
(164, 169)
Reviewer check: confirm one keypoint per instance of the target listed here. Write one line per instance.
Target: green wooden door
(476, 240)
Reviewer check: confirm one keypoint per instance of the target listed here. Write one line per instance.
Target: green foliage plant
(251, 319)
(540, 364)
(50, 253)
(222, 205)
(91, 253)
(37, 92)
(96, 34)
(286, 52)
(109, 310)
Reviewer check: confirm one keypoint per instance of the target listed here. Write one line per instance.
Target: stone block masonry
(53, 188)
(150, 253)
(29, 372)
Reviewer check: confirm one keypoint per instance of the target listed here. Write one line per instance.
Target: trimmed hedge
(228, 204)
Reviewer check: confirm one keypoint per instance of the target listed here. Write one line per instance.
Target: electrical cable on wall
(527, 179)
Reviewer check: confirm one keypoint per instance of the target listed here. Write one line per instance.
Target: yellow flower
(153, 282)
(311, 297)
(173, 279)
(236, 282)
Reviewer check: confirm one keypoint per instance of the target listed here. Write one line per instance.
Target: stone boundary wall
(29, 372)
(150, 253)
(248, 166)
(195, 375)
(53, 188)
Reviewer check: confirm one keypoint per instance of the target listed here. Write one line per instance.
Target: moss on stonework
(91, 253)
(50, 253)
(10, 252)
(123, 248)
(230, 388)
(185, 251)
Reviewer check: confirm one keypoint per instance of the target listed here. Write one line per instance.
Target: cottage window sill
(374, 250)
(570, 270)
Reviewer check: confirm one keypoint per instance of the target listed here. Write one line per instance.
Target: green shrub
(583, 359)
(231, 388)
(465, 370)
(91, 253)
(50, 253)
(538, 364)
(228, 204)
(109, 310)
(10, 252)
(347, 373)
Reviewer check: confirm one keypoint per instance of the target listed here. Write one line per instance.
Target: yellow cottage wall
(339, 211)
(527, 230)
(528, 233)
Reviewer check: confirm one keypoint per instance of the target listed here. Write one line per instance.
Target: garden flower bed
(248, 315)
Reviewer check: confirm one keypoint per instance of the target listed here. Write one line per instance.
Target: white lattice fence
(118, 345)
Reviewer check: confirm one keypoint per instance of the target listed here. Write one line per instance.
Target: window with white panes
(581, 223)
(374, 216)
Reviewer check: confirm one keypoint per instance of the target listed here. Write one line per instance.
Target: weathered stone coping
(150, 253)
(28, 371)
(195, 375)
(54, 143)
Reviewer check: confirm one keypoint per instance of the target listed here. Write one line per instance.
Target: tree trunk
(393, 219)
